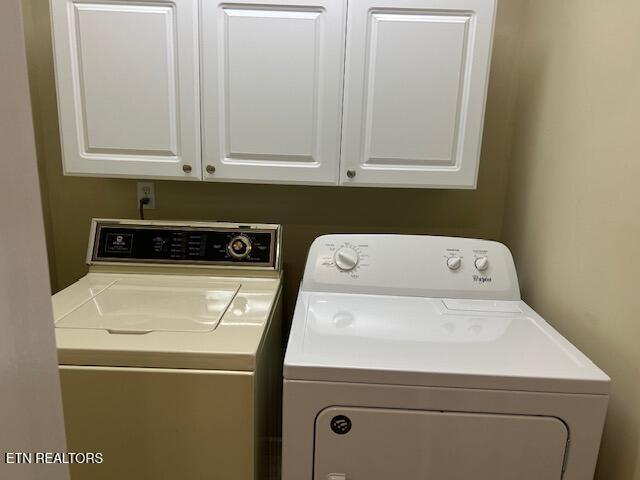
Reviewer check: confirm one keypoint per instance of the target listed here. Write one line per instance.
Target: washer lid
(135, 305)
(434, 342)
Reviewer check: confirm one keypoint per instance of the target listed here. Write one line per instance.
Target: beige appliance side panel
(268, 394)
(379, 444)
(155, 424)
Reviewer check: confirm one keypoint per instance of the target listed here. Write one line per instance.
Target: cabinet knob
(351, 173)
(186, 168)
(211, 169)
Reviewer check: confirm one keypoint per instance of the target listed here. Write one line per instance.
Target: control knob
(346, 259)
(239, 247)
(482, 263)
(454, 263)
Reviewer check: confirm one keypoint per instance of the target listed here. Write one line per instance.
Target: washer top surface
(166, 321)
(171, 295)
(426, 311)
(140, 305)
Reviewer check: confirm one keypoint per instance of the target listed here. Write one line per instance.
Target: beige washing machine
(170, 350)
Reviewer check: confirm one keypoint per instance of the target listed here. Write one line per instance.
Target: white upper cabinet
(127, 78)
(272, 90)
(365, 92)
(415, 86)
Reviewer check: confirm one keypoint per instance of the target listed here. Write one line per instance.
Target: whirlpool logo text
(481, 279)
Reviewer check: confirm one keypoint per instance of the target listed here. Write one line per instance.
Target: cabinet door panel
(415, 90)
(127, 87)
(272, 87)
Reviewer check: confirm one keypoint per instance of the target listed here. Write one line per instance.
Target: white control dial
(346, 259)
(482, 263)
(454, 263)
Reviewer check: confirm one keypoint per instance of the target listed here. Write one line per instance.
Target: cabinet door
(127, 78)
(272, 90)
(415, 87)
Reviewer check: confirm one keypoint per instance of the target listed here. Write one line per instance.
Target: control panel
(413, 265)
(224, 244)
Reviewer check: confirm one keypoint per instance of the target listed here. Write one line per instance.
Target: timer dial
(454, 263)
(239, 247)
(346, 259)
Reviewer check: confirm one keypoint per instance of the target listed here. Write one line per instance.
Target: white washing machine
(413, 357)
(170, 350)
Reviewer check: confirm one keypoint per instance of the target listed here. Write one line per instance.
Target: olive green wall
(306, 212)
(572, 217)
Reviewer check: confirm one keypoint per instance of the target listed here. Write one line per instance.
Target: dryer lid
(137, 305)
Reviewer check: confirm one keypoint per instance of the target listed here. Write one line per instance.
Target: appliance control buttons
(239, 247)
(454, 263)
(482, 263)
(346, 259)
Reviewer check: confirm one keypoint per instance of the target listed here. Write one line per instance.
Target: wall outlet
(147, 189)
